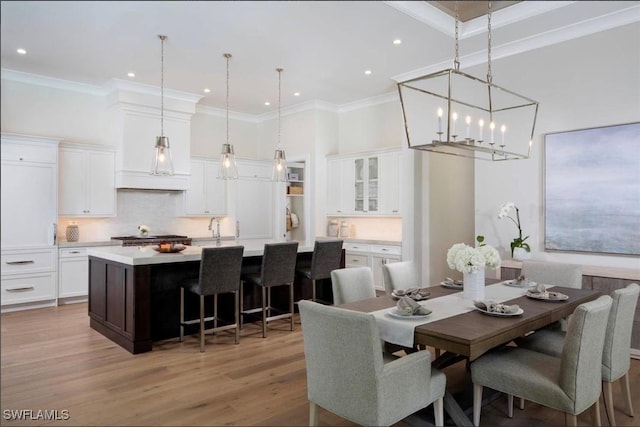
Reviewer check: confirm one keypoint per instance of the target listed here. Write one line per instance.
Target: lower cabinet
(28, 278)
(73, 274)
(373, 256)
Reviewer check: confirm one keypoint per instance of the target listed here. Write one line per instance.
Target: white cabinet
(73, 272)
(389, 183)
(254, 200)
(373, 256)
(207, 195)
(86, 182)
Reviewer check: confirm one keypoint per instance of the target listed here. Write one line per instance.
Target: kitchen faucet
(216, 232)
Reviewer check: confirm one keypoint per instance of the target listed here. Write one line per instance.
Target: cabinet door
(195, 195)
(348, 186)
(73, 277)
(101, 183)
(215, 190)
(73, 182)
(390, 183)
(254, 208)
(335, 186)
(372, 187)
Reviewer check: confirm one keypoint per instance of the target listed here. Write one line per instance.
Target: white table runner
(401, 331)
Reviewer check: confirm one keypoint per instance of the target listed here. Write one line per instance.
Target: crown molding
(369, 102)
(548, 38)
(124, 85)
(38, 80)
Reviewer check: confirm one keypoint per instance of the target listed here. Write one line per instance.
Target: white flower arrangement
(517, 242)
(143, 228)
(467, 259)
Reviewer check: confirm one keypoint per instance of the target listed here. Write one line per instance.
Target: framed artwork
(592, 190)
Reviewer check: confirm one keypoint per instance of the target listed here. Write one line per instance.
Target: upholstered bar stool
(278, 269)
(326, 258)
(219, 273)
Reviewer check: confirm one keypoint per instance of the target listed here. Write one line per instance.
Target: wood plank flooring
(52, 360)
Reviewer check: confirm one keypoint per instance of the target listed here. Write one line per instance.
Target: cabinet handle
(395, 211)
(21, 289)
(384, 249)
(75, 252)
(355, 260)
(20, 262)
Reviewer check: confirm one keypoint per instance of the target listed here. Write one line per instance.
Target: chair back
(279, 263)
(352, 284)
(617, 341)
(326, 258)
(581, 360)
(220, 270)
(400, 275)
(553, 273)
(343, 357)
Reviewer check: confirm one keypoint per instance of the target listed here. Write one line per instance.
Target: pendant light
(279, 161)
(451, 112)
(227, 168)
(162, 161)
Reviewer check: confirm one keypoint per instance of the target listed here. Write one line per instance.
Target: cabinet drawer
(354, 260)
(356, 247)
(28, 261)
(28, 288)
(72, 252)
(29, 153)
(387, 250)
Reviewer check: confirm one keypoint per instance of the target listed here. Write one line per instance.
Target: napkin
(450, 281)
(494, 307)
(408, 307)
(539, 289)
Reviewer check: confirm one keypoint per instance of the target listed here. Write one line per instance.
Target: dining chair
(278, 269)
(352, 284)
(219, 273)
(326, 258)
(400, 275)
(617, 346)
(348, 375)
(570, 383)
(553, 273)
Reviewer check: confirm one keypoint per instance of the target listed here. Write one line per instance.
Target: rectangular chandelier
(451, 112)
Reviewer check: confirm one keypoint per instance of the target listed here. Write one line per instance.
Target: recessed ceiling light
(207, 90)
(21, 51)
(397, 41)
(368, 72)
(296, 94)
(267, 103)
(131, 74)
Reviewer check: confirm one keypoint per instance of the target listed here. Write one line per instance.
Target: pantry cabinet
(86, 182)
(207, 195)
(254, 196)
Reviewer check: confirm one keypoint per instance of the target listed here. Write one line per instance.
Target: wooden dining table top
(473, 333)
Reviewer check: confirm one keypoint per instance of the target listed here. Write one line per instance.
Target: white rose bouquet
(467, 259)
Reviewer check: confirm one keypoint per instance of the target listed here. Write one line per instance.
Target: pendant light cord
(228, 56)
(279, 70)
(489, 75)
(456, 61)
(162, 39)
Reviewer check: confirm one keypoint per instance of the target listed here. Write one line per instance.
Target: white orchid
(505, 209)
(143, 228)
(517, 242)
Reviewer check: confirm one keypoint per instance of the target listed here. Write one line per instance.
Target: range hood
(134, 124)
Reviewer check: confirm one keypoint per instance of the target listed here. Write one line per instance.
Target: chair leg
(624, 383)
(201, 323)
(595, 414)
(510, 405)
(241, 303)
(291, 304)
(570, 420)
(313, 414)
(237, 316)
(438, 412)
(264, 312)
(607, 390)
(477, 404)
(215, 311)
(181, 314)
(522, 403)
(437, 352)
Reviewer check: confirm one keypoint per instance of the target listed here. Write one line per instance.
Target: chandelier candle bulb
(492, 126)
(454, 117)
(468, 121)
(503, 129)
(481, 127)
(440, 112)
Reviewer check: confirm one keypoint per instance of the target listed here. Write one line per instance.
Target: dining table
(461, 331)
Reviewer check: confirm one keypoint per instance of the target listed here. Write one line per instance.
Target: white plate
(415, 297)
(393, 313)
(548, 296)
(517, 284)
(451, 285)
(493, 313)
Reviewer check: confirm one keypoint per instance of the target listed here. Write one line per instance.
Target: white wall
(209, 132)
(371, 128)
(587, 82)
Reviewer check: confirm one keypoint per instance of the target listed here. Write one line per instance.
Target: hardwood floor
(52, 360)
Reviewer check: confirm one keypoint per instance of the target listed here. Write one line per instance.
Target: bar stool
(278, 269)
(326, 258)
(220, 270)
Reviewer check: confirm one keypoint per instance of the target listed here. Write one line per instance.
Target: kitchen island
(134, 291)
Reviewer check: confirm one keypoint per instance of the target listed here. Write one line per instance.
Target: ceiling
(323, 46)
(468, 10)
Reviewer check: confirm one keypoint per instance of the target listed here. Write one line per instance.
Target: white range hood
(134, 125)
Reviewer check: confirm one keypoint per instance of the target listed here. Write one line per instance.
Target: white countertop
(146, 255)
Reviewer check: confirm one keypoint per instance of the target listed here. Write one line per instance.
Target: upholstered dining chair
(348, 375)
(278, 269)
(553, 273)
(570, 384)
(617, 346)
(352, 284)
(400, 275)
(219, 274)
(326, 258)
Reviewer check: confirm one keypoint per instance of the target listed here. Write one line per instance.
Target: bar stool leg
(201, 323)
(215, 311)
(181, 314)
(241, 303)
(264, 312)
(237, 315)
(291, 303)
(313, 290)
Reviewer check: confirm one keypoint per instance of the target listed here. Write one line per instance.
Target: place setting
(493, 308)
(450, 283)
(520, 282)
(408, 309)
(540, 292)
(416, 294)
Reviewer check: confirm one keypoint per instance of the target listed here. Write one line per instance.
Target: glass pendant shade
(162, 161)
(228, 168)
(279, 166)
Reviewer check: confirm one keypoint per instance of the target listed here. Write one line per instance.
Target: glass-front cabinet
(366, 184)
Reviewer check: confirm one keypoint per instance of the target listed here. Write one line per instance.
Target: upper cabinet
(366, 184)
(207, 195)
(86, 181)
